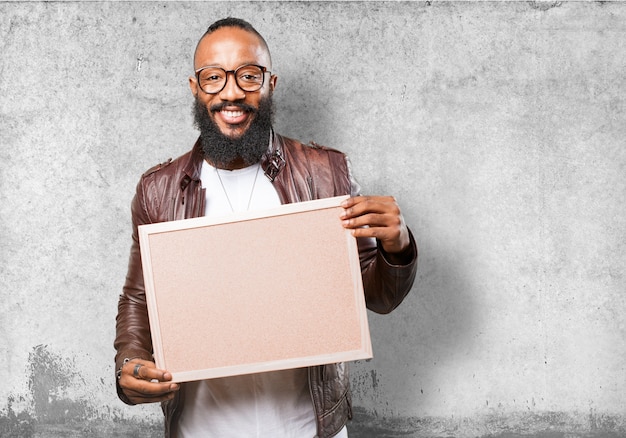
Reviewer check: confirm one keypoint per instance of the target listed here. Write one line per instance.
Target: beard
(220, 149)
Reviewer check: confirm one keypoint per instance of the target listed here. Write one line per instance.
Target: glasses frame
(264, 70)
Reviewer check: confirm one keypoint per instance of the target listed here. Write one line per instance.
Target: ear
(193, 85)
(272, 83)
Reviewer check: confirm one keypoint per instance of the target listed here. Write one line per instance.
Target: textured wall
(500, 128)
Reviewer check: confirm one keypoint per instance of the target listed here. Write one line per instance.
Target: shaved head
(237, 23)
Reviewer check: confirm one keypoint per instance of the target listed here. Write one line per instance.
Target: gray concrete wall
(500, 127)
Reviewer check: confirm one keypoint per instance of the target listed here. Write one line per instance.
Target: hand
(147, 384)
(378, 217)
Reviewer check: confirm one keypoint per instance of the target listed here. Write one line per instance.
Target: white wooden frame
(254, 292)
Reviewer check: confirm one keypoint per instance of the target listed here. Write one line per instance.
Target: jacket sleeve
(132, 326)
(385, 284)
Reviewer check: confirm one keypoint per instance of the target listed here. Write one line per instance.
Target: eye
(250, 74)
(249, 78)
(211, 75)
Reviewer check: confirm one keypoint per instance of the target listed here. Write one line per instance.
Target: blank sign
(255, 291)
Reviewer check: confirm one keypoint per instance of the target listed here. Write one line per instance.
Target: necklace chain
(226, 193)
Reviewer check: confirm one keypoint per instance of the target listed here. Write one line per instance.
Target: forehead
(230, 47)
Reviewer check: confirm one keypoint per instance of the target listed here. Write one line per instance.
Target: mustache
(243, 106)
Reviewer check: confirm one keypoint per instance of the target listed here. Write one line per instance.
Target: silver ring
(136, 370)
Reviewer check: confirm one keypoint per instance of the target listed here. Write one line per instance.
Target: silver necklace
(226, 193)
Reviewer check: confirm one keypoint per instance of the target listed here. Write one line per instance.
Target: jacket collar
(273, 160)
(191, 171)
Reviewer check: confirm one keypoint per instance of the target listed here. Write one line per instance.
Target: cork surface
(269, 293)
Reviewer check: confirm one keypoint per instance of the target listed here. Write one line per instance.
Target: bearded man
(239, 163)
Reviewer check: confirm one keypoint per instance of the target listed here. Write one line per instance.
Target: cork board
(254, 292)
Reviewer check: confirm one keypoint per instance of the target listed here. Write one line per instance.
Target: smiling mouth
(233, 118)
(233, 114)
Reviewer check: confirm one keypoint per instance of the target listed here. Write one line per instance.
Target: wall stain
(367, 424)
(374, 380)
(51, 380)
(139, 62)
(55, 410)
(14, 424)
(544, 5)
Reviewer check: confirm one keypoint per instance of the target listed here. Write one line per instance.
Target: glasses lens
(249, 77)
(211, 79)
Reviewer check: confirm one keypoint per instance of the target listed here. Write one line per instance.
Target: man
(239, 164)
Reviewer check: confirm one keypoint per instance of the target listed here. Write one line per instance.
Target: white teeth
(232, 114)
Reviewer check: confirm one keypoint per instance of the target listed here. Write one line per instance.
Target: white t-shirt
(272, 404)
(228, 191)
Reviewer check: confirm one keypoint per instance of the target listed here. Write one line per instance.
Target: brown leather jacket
(173, 190)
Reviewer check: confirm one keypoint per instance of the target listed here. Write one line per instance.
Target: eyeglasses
(248, 77)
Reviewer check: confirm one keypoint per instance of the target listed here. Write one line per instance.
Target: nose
(231, 90)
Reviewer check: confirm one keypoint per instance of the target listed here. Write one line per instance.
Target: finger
(142, 388)
(138, 399)
(364, 199)
(354, 207)
(136, 369)
(391, 232)
(373, 220)
(152, 386)
(351, 201)
(142, 391)
(391, 242)
(380, 233)
(145, 370)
